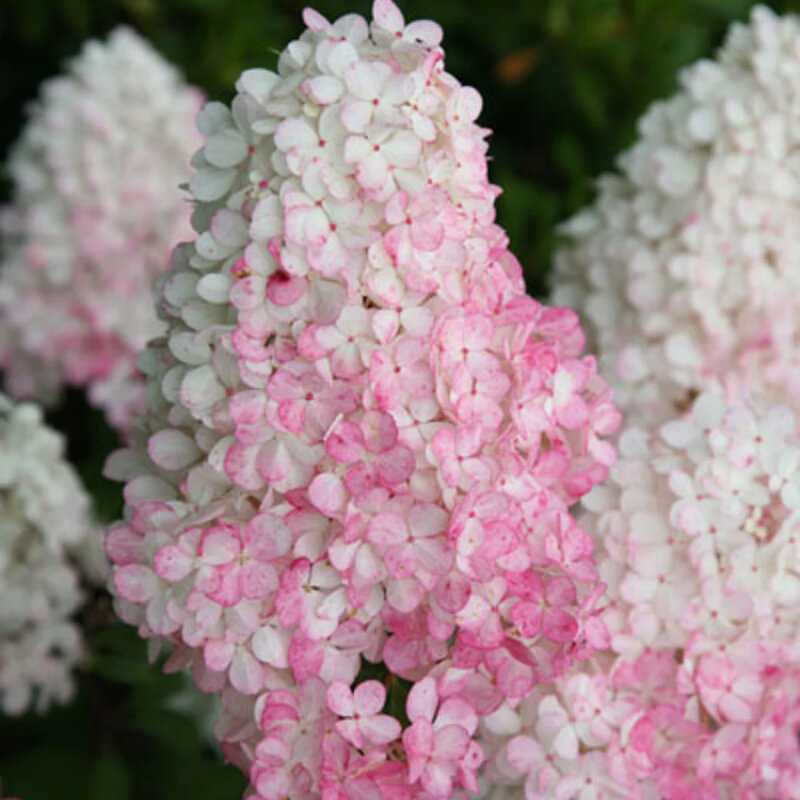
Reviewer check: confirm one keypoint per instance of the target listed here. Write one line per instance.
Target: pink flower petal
(284, 289)
(327, 492)
(422, 700)
(387, 15)
(381, 729)
(369, 698)
(451, 743)
(220, 545)
(340, 699)
(246, 674)
(172, 563)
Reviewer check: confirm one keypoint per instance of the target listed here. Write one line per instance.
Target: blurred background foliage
(563, 83)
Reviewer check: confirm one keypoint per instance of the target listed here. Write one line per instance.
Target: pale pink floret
(372, 453)
(414, 551)
(359, 709)
(346, 774)
(438, 743)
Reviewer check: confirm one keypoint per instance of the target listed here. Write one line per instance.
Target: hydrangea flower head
(699, 693)
(95, 213)
(685, 268)
(45, 538)
(363, 437)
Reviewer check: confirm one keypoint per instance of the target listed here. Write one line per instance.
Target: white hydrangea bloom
(685, 268)
(44, 529)
(96, 211)
(698, 541)
(697, 530)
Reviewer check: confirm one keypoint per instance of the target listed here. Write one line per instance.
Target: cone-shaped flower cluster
(96, 211)
(685, 269)
(363, 438)
(45, 532)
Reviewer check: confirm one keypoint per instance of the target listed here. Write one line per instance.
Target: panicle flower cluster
(95, 214)
(45, 538)
(685, 272)
(363, 437)
(685, 268)
(698, 696)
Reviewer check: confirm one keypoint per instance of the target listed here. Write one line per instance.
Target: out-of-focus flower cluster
(685, 268)
(363, 437)
(699, 694)
(685, 271)
(95, 213)
(46, 542)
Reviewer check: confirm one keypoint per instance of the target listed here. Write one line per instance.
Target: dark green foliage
(89, 441)
(123, 738)
(563, 83)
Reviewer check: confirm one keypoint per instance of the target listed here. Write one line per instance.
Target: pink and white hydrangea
(698, 695)
(48, 545)
(684, 270)
(363, 438)
(95, 213)
(685, 267)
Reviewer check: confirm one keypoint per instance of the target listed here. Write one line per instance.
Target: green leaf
(119, 669)
(172, 730)
(110, 778)
(118, 655)
(372, 672)
(590, 92)
(49, 771)
(396, 700)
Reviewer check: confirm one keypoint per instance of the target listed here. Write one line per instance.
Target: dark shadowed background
(563, 83)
